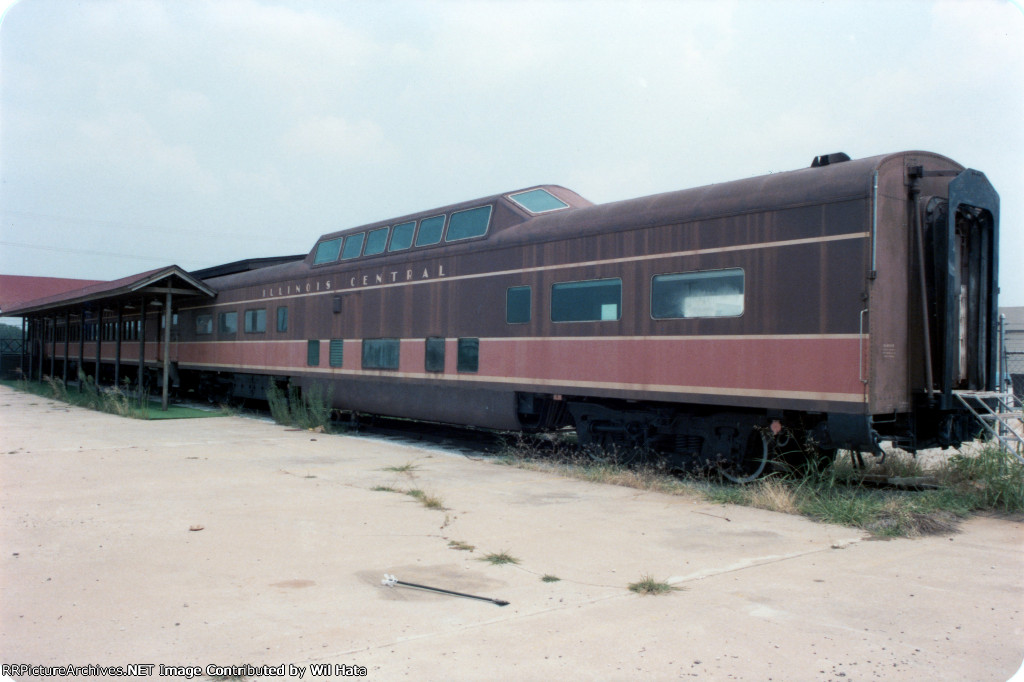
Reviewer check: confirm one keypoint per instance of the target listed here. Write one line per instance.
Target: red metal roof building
(16, 289)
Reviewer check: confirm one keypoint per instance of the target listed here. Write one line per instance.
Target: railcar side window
(470, 223)
(376, 241)
(353, 246)
(401, 236)
(517, 305)
(380, 353)
(336, 357)
(327, 251)
(538, 201)
(204, 324)
(430, 231)
(712, 293)
(282, 318)
(256, 321)
(596, 300)
(435, 354)
(228, 323)
(313, 352)
(469, 355)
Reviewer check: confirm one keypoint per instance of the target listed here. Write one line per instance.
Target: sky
(141, 133)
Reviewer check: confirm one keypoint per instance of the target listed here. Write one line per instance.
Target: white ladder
(997, 422)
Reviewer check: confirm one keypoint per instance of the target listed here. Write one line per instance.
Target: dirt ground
(214, 543)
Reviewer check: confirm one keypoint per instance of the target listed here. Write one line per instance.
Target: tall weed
(993, 478)
(307, 409)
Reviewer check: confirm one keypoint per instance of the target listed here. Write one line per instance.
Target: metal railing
(1000, 418)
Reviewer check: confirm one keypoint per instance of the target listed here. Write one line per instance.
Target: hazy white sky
(141, 133)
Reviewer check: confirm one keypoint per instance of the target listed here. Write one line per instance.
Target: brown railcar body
(844, 314)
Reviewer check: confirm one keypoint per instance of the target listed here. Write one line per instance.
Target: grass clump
(406, 468)
(461, 546)
(113, 399)
(499, 558)
(548, 578)
(308, 409)
(427, 500)
(648, 585)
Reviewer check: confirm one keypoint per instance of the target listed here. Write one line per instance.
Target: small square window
(256, 321)
(204, 324)
(228, 323)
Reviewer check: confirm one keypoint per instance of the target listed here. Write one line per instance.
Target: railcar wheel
(754, 461)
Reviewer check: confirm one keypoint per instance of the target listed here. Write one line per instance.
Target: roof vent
(829, 159)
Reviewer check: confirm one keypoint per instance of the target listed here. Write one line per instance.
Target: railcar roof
(833, 177)
(836, 181)
(506, 210)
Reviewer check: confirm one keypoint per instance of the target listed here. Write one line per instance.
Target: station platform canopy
(140, 295)
(151, 285)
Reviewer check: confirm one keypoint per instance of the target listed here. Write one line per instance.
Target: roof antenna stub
(829, 159)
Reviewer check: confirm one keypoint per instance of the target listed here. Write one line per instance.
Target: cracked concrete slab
(294, 531)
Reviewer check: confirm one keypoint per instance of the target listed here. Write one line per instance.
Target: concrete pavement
(234, 542)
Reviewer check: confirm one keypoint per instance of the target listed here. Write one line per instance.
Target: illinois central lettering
(381, 278)
(396, 276)
(295, 288)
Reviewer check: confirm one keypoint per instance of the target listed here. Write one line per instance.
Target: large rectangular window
(228, 323)
(469, 223)
(376, 240)
(711, 293)
(380, 353)
(337, 353)
(596, 300)
(353, 246)
(204, 324)
(430, 231)
(256, 321)
(401, 236)
(538, 201)
(517, 305)
(327, 251)
(435, 354)
(469, 355)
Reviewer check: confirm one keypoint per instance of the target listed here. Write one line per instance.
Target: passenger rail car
(832, 306)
